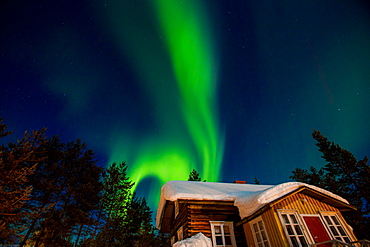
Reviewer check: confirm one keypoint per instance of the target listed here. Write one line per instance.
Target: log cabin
(236, 214)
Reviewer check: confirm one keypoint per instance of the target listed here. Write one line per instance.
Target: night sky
(230, 88)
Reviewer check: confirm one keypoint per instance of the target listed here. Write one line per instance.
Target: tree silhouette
(345, 176)
(18, 162)
(194, 176)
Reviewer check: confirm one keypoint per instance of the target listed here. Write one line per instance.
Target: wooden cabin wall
(304, 204)
(274, 230)
(195, 217)
(248, 235)
(180, 220)
(300, 202)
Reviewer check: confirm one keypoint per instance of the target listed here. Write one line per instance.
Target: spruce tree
(66, 189)
(345, 176)
(126, 217)
(194, 176)
(116, 198)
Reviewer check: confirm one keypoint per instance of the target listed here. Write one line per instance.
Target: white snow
(247, 197)
(198, 240)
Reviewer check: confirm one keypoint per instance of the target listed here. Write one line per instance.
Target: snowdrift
(198, 240)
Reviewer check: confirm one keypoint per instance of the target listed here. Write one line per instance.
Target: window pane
(290, 230)
(328, 220)
(346, 240)
(298, 229)
(263, 235)
(260, 225)
(226, 230)
(219, 240)
(227, 240)
(293, 218)
(258, 236)
(217, 229)
(294, 242)
(303, 241)
(285, 217)
(255, 227)
(335, 220)
(342, 232)
(334, 231)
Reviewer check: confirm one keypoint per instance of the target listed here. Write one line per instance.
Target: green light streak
(178, 72)
(192, 59)
(163, 160)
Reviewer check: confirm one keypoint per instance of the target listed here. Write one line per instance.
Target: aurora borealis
(230, 88)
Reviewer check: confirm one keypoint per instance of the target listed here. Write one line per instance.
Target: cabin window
(293, 228)
(335, 226)
(259, 232)
(223, 233)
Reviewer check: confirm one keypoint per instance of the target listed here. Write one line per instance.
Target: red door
(317, 230)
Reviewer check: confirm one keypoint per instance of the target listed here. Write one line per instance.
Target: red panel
(317, 230)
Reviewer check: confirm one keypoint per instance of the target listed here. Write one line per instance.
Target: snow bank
(247, 197)
(198, 240)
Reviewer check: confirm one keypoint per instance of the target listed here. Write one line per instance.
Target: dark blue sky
(231, 88)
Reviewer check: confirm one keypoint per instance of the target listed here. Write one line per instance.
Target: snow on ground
(247, 197)
(198, 240)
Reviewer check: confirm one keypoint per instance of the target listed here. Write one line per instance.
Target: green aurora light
(193, 62)
(183, 92)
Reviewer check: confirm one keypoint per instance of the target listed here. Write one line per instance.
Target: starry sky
(230, 88)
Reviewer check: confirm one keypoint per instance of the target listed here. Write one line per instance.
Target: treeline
(54, 194)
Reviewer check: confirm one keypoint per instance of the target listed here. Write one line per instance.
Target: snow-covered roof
(247, 197)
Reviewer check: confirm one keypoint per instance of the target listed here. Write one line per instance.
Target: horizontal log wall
(195, 217)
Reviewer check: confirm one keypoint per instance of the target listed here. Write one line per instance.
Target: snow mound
(198, 240)
(247, 197)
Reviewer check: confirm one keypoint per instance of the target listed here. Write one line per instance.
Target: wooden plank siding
(302, 203)
(195, 217)
(273, 227)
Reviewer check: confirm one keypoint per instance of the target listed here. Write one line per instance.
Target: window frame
(303, 228)
(256, 221)
(341, 224)
(230, 224)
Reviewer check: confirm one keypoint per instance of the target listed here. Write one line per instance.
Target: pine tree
(345, 176)
(194, 176)
(127, 218)
(66, 193)
(116, 198)
(17, 162)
